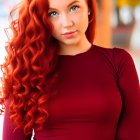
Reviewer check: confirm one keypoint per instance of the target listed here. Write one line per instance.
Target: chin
(71, 42)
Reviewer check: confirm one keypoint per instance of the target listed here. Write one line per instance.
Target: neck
(74, 49)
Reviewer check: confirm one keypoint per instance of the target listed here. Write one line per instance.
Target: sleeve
(8, 130)
(128, 127)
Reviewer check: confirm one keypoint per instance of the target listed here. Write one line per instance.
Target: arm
(129, 123)
(9, 133)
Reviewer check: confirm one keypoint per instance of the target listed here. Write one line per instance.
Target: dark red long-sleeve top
(98, 99)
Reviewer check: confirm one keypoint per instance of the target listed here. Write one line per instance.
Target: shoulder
(115, 54)
(113, 51)
(116, 57)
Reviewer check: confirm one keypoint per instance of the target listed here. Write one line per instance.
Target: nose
(66, 21)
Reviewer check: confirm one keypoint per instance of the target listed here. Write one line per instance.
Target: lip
(69, 34)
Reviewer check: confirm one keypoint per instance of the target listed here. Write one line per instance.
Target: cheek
(56, 29)
(82, 20)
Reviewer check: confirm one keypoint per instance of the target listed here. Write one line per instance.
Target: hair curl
(29, 68)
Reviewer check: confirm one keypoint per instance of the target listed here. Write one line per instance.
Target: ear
(89, 11)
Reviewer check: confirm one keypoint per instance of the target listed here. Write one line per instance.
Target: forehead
(64, 3)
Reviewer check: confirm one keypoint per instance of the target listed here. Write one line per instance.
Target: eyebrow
(75, 1)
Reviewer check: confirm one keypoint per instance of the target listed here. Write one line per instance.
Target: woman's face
(69, 19)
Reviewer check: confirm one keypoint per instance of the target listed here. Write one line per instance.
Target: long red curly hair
(29, 68)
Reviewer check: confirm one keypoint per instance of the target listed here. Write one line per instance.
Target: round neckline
(79, 54)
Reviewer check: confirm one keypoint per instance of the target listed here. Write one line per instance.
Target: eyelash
(54, 13)
(75, 6)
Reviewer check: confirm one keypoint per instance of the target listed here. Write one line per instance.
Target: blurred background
(118, 25)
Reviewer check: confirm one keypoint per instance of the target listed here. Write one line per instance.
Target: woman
(60, 85)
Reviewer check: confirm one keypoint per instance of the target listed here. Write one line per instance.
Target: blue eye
(74, 8)
(52, 14)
